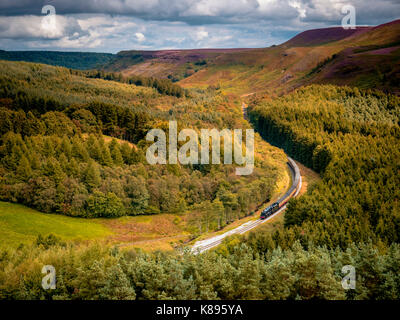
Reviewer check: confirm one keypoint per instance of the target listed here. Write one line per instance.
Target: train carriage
(289, 194)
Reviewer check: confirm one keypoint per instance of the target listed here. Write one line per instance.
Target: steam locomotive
(270, 210)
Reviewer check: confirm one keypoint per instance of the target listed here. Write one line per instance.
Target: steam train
(270, 210)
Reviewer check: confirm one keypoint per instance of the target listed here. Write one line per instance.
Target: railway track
(204, 245)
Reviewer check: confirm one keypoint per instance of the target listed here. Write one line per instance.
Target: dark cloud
(202, 12)
(105, 25)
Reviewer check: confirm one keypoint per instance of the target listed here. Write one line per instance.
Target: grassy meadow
(20, 224)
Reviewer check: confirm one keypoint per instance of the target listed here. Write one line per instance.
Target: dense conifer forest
(73, 143)
(74, 60)
(163, 86)
(76, 146)
(351, 137)
(78, 150)
(208, 157)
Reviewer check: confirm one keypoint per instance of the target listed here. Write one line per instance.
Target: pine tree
(92, 177)
(116, 153)
(66, 147)
(126, 152)
(78, 149)
(138, 194)
(53, 170)
(116, 285)
(106, 159)
(24, 169)
(73, 168)
(218, 209)
(93, 147)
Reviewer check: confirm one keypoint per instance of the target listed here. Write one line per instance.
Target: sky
(116, 25)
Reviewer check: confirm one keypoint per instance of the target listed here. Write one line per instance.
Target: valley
(77, 190)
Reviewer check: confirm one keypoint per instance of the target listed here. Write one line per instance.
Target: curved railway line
(204, 245)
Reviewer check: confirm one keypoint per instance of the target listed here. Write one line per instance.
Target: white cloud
(105, 25)
(38, 27)
(298, 6)
(140, 36)
(201, 34)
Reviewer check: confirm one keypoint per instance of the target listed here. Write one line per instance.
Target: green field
(19, 224)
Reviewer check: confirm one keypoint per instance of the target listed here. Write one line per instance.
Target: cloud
(34, 27)
(201, 34)
(113, 25)
(299, 7)
(103, 33)
(212, 11)
(140, 36)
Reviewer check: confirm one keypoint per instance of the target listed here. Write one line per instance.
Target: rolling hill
(172, 64)
(72, 143)
(365, 57)
(323, 36)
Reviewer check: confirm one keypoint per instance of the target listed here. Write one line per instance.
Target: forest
(77, 148)
(351, 137)
(73, 60)
(163, 86)
(234, 271)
